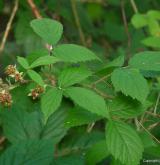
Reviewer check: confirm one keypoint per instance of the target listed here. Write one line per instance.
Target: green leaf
(50, 101)
(74, 53)
(24, 35)
(119, 61)
(79, 116)
(153, 42)
(147, 140)
(139, 20)
(88, 99)
(31, 57)
(55, 126)
(21, 100)
(45, 60)
(111, 26)
(69, 160)
(125, 107)
(123, 143)
(35, 77)
(85, 140)
(21, 125)
(97, 153)
(23, 62)
(153, 26)
(116, 162)
(49, 30)
(71, 76)
(147, 60)
(130, 82)
(28, 152)
(154, 14)
(153, 151)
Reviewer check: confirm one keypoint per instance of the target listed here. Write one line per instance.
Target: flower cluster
(12, 71)
(5, 98)
(36, 92)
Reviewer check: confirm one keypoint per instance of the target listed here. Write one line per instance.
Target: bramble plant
(62, 92)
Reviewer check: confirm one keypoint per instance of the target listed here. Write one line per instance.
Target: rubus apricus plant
(62, 93)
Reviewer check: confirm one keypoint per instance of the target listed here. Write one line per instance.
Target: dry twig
(149, 133)
(2, 139)
(34, 9)
(152, 126)
(101, 79)
(77, 21)
(104, 95)
(133, 4)
(90, 127)
(157, 102)
(9, 24)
